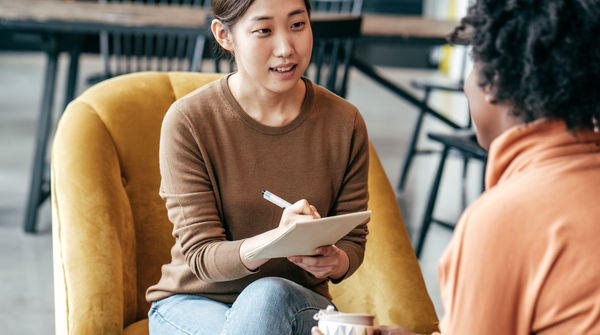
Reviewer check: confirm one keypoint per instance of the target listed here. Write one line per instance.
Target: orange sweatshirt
(524, 258)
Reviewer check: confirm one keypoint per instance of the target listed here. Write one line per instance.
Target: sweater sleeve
(354, 195)
(191, 204)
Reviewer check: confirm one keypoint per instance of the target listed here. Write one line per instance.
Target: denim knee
(272, 290)
(274, 305)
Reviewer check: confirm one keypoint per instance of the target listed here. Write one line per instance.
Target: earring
(595, 122)
(490, 99)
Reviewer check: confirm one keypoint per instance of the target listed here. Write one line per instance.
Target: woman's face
(482, 110)
(491, 118)
(272, 44)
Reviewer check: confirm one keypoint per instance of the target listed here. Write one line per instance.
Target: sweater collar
(305, 108)
(523, 147)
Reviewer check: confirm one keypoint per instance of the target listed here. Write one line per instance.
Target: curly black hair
(541, 56)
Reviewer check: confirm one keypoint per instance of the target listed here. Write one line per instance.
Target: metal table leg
(38, 191)
(368, 70)
(71, 88)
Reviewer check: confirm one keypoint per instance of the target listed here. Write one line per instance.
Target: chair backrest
(338, 6)
(126, 52)
(334, 44)
(111, 232)
(332, 50)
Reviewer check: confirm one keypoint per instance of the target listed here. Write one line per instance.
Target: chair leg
(427, 218)
(198, 53)
(483, 176)
(463, 194)
(412, 147)
(72, 76)
(36, 192)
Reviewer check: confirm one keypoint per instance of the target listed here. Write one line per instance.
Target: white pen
(275, 199)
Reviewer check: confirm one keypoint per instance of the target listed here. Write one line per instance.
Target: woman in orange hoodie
(524, 257)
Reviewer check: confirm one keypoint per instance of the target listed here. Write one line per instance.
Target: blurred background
(26, 299)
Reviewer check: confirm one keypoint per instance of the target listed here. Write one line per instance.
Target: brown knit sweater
(215, 160)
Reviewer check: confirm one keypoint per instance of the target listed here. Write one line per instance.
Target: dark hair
(541, 56)
(229, 11)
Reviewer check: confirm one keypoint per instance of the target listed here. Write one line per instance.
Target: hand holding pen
(330, 261)
(292, 212)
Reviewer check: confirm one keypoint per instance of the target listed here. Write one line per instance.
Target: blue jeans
(267, 306)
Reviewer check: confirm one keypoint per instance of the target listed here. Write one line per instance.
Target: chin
(485, 144)
(286, 86)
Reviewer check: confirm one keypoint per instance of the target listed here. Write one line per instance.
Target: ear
(222, 35)
(490, 95)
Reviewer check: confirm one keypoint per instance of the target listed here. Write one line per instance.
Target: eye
(262, 31)
(298, 25)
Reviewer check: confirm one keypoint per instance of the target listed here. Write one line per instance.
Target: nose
(283, 46)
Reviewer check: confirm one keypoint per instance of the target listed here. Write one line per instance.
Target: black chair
(152, 50)
(332, 49)
(465, 144)
(334, 43)
(462, 141)
(338, 6)
(428, 87)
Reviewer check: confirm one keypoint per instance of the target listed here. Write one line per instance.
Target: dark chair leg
(198, 53)
(36, 192)
(72, 76)
(463, 194)
(427, 218)
(412, 147)
(483, 176)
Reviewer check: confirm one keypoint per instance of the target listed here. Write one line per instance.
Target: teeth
(283, 69)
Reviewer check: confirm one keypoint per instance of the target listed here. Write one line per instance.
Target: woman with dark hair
(524, 256)
(264, 126)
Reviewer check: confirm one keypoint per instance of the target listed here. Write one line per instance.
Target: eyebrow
(292, 13)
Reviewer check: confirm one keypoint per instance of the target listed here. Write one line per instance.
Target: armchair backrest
(111, 233)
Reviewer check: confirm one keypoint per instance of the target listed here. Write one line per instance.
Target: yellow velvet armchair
(110, 228)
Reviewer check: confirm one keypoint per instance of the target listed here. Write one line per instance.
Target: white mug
(332, 322)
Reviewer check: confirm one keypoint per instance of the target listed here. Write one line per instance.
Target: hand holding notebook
(304, 237)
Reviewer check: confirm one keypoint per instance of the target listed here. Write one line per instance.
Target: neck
(273, 109)
(504, 121)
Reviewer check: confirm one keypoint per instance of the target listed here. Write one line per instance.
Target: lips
(283, 68)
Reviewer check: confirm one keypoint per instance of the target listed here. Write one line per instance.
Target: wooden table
(66, 25)
(81, 17)
(384, 28)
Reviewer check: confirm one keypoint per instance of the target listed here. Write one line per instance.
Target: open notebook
(303, 238)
